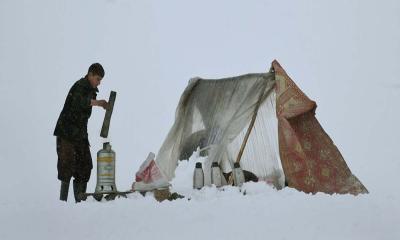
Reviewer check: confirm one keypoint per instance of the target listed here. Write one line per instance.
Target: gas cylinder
(198, 176)
(216, 176)
(238, 175)
(105, 170)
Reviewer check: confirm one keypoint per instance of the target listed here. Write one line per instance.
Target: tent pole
(249, 129)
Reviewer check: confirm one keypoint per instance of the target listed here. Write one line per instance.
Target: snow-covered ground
(256, 211)
(343, 54)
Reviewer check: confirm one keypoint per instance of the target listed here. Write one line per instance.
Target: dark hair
(96, 69)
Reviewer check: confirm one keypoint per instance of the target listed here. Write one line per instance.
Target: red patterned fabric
(311, 161)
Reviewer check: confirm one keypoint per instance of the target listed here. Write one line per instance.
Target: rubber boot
(79, 191)
(64, 191)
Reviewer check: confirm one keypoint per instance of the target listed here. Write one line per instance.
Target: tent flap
(311, 161)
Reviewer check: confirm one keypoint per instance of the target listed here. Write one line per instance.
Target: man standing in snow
(74, 159)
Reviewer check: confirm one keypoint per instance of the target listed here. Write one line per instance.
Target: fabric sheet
(311, 161)
(213, 115)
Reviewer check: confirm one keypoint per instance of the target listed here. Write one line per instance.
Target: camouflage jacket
(73, 119)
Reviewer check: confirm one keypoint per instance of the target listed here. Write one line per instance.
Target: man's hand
(101, 103)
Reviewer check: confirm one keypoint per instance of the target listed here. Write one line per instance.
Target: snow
(254, 211)
(343, 54)
(210, 213)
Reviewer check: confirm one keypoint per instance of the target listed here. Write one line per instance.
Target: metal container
(238, 175)
(216, 175)
(198, 177)
(105, 170)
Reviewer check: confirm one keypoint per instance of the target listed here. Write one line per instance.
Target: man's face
(94, 79)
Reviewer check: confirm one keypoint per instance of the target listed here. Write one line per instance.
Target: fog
(345, 55)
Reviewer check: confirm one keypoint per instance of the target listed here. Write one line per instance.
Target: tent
(262, 120)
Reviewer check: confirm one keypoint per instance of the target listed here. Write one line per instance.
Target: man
(74, 159)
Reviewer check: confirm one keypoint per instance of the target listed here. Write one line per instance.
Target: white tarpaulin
(214, 115)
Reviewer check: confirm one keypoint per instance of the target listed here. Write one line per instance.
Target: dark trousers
(74, 160)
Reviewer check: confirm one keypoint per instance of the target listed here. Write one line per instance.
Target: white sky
(343, 54)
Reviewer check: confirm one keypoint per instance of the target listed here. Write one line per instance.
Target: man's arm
(79, 98)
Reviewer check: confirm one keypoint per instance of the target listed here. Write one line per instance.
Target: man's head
(95, 74)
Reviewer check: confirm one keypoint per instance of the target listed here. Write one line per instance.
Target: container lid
(236, 165)
(198, 165)
(214, 164)
(106, 146)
